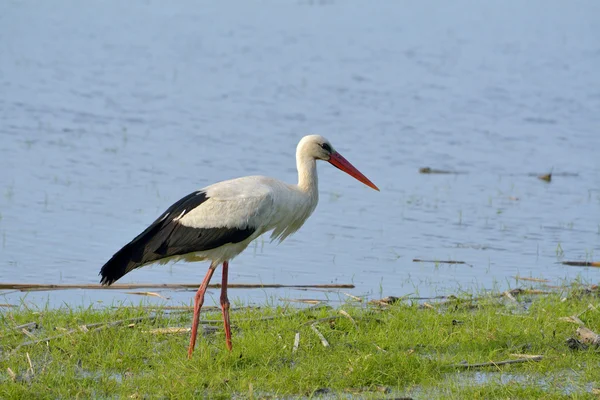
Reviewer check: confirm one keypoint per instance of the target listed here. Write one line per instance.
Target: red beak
(340, 162)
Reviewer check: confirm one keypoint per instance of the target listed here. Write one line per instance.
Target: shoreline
(522, 343)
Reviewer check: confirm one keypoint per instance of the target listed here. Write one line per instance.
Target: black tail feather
(134, 254)
(166, 238)
(119, 264)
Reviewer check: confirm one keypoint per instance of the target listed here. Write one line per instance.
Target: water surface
(111, 111)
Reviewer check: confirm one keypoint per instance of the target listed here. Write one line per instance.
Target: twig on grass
(85, 328)
(320, 335)
(22, 329)
(46, 339)
(27, 333)
(206, 329)
(30, 364)
(588, 336)
(326, 319)
(509, 296)
(168, 330)
(345, 314)
(497, 363)
(12, 375)
(101, 326)
(268, 318)
(518, 355)
(352, 296)
(31, 325)
(379, 348)
(573, 319)
(296, 342)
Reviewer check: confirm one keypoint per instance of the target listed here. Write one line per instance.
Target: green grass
(400, 350)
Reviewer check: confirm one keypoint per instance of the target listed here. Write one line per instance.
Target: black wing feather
(165, 238)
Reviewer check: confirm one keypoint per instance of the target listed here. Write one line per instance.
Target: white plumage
(218, 222)
(263, 203)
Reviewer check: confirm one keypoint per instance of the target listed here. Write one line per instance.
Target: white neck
(308, 181)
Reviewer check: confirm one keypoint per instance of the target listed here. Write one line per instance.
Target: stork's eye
(326, 147)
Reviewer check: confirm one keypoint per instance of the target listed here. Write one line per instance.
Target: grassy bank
(406, 349)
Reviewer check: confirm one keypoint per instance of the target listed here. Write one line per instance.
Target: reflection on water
(112, 111)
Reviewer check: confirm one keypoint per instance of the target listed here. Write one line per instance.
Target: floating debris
(386, 301)
(152, 294)
(305, 301)
(522, 278)
(581, 263)
(40, 286)
(440, 261)
(545, 177)
(562, 174)
(427, 170)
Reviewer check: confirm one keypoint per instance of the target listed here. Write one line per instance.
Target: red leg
(225, 305)
(198, 301)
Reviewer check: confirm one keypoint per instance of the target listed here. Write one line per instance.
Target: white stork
(218, 222)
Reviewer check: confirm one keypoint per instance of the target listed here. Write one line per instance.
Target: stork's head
(315, 146)
(319, 148)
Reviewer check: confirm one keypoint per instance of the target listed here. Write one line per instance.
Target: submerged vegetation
(518, 344)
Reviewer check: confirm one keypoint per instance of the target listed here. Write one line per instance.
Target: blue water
(110, 111)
